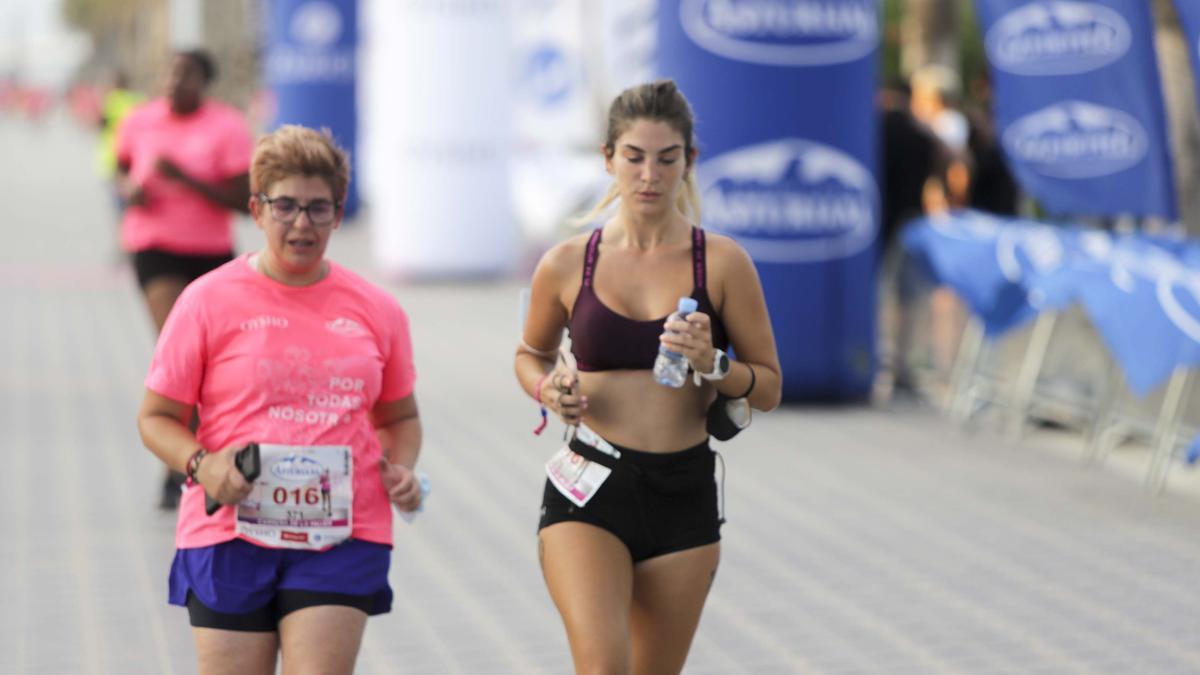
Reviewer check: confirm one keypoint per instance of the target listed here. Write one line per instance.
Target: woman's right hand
(560, 393)
(220, 477)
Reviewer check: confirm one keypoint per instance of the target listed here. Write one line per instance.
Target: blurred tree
(130, 35)
(928, 32)
(87, 13)
(233, 33)
(134, 35)
(972, 57)
(1179, 97)
(893, 11)
(919, 32)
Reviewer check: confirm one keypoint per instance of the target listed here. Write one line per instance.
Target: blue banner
(1144, 300)
(1078, 104)
(1006, 270)
(311, 65)
(783, 92)
(1141, 293)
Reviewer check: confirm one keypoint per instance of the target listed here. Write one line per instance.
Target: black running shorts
(656, 503)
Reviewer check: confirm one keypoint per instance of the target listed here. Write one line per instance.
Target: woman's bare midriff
(630, 409)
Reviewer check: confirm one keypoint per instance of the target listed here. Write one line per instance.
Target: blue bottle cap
(687, 306)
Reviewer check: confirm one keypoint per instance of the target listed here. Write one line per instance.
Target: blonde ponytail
(596, 211)
(688, 201)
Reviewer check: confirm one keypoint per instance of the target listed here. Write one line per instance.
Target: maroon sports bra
(601, 339)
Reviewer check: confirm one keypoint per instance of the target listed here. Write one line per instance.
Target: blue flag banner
(1141, 293)
(1006, 270)
(783, 93)
(1079, 105)
(1144, 300)
(310, 67)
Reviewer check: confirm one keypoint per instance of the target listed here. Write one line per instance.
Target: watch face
(723, 363)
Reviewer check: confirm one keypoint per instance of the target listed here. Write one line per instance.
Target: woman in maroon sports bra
(629, 537)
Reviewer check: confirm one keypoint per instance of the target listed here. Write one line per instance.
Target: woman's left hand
(692, 338)
(402, 485)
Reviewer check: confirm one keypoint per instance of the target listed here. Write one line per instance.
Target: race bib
(575, 477)
(303, 498)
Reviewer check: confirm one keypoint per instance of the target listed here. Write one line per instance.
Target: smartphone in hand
(248, 463)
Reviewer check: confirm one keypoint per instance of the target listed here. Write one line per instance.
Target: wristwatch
(720, 368)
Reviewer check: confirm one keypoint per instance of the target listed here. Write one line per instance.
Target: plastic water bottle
(423, 481)
(671, 368)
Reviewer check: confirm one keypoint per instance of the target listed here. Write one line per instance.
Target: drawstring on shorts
(721, 492)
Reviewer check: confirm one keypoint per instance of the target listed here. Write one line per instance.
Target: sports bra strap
(698, 257)
(589, 257)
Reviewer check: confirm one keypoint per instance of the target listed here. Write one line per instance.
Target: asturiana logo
(791, 200)
(783, 32)
(1038, 248)
(313, 53)
(316, 24)
(549, 75)
(297, 468)
(1076, 139)
(1057, 38)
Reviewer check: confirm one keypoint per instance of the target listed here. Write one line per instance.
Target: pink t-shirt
(211, 144)
(271, 363)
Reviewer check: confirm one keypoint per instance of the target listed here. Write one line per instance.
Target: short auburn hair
(293, 150)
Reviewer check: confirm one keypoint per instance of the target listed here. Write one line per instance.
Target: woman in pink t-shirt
(290, 351)
(183, 164)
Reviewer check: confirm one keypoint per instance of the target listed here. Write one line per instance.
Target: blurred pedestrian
(182, 169)
(117, 101)
(289, 350)
(934, 97)
(630, 523)
(913, 177)
(912, 155)
(993, 188)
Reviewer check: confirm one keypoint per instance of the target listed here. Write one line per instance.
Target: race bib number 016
(303, 498)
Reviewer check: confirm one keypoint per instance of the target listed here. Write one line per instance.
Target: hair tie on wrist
(753, 380)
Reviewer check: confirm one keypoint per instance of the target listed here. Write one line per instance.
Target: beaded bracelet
(193, 464)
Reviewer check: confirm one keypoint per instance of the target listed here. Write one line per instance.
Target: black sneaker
(171, 490)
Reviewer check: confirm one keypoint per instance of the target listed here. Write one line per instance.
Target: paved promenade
(859, 540)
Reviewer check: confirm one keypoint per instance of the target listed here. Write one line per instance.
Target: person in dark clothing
(993, 188)
(913, 164)
(911, 156)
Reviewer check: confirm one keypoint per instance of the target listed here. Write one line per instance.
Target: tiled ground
(859, 540)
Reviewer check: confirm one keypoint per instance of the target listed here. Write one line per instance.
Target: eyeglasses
(321, 212)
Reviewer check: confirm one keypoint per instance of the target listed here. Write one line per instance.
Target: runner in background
(292, 351)
(117, 102)
(182, 163)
